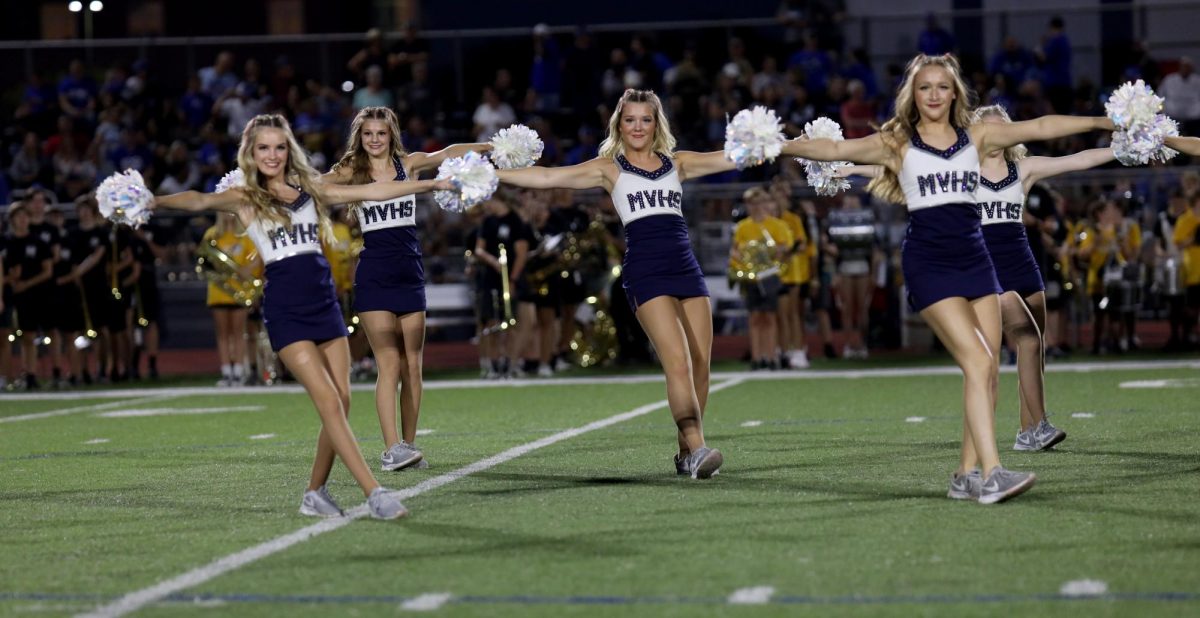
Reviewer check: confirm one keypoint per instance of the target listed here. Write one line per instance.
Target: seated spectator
(1181, 90)
(934, 39)
(219, 78)
(491, 116)
(1013, 62)
(373, 94)
(77, 92)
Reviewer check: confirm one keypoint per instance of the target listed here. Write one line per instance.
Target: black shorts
(32, 313)
(571, 290)
(68, 309)
(149, 300)
(762, 295)
(1193, 296)
(786, 288)
(489, 304)
(118, 312)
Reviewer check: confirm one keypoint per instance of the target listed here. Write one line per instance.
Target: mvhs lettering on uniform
(300, 234)
(654, 198)
(948, 182)
(390, 211)
(1007, 211)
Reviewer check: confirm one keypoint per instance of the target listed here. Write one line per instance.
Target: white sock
(239, 371)
(226, 370)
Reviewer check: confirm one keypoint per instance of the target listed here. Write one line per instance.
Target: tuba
(215, 265)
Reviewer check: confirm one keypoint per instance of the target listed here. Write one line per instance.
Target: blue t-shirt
(79, 92)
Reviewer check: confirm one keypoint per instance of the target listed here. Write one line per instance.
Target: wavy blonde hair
(356, 158)
(1012, 153)
(298, 172)
(663, 143)
(900, 128)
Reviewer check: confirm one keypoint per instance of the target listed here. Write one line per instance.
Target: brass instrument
(575, 252)
(267, 360)
(216, 266)
(596, 342)
(84, 341)
(506, 297)
(756, 261)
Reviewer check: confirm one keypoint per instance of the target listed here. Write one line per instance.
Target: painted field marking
(91, 408)
(915, 419)
(758, 595)
(262, 436)
(139, 412)
(98, 441)
(1082, 415)
(426, 602)
(1084, 588)
(752, 423)
(139, 599)
(424, 432)
(1180, 383)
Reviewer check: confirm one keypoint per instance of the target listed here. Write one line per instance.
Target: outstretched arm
(1186, 145)
(586, 175)
(341, 194)
(697, 164)
(993, 136)
(1040, 168)
(869, 149)
(195, 201)
(421, 161)
(866, 171)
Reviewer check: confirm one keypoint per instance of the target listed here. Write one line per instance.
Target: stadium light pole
(94, 6)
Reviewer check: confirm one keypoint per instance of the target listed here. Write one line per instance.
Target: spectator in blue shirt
(77, 92)
(935, 40)
(1013, 62)
(860, 69)
(1055, 56)
(196, 104)
(219, 78)
(814, 62)
(545, 76)
(132, 153)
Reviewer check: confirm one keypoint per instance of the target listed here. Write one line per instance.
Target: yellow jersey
(748, 229)
(1185, 227)
(798, 271)
(241, 250)
(1106, 246)
(341, 253)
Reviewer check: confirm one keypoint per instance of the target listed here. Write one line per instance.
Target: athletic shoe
(399, 455)
(383, 505)
(561, 363)
(704, 462)
(681, 466)
(1026, 441)
(319, 504)
(420, 465)
(965, 486)
(545, 371)
(800, 360)
(1003, 484)
(1047, 435)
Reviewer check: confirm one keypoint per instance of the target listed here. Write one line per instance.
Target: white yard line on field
(141, 598)
(157, 396)
(139, 412)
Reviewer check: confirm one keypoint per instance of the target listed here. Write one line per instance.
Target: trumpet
(217, 266)
(506, 297)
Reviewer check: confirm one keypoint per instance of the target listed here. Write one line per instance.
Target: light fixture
(75, 6)
(96, 6)
(347, 86)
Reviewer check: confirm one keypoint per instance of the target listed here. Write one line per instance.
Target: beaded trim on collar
(299, 201)
(1008, 180)
(666, 168)
(963, 141)
(400, 175)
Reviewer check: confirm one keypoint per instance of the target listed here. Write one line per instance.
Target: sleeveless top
(1001, 202)
(638, 194)
(931, 177)
(276, 243)
(396, 212)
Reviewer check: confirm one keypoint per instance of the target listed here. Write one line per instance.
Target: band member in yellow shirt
(795, 278)
(231, 292)
(1109, 246)
(760, 246)
(1187, 238)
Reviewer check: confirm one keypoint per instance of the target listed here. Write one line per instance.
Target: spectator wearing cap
(1181, 90)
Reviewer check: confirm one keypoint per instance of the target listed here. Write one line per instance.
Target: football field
(559, 498)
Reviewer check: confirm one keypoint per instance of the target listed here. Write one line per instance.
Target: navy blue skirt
(1016, 268)
(300, 302)
(659, 261)
(390, 275)
(944, 255)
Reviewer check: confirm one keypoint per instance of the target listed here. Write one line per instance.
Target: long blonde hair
(663, 143)
(356, 158)
(1015, 152)
(900, 128)
(299, 172)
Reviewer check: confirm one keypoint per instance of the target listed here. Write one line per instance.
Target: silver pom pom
(1132, 104)
(822, 175)
(516, 147)
(1143, 142)
(231, 180)
(475, 178)
(124, 198)
(753, 137)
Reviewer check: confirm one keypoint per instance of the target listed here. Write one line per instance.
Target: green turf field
(831, 503)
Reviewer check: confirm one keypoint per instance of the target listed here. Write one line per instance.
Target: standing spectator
(737, 65)
(768, 77)
(27, 166)
(1055, 57)
(860, 69)
(372, 54)
(74, 174)
(491, 115)
(814, 63)
(373, 94)
(418, 98)
(1187, 240)
(238, 106)
(132, 152)
(934, 39)
(581, 75)
(407, 53)
(545, 76)
(77, 93)
(857, 112)
(195, 104)
(219, 78)
(652, 64)
(618, 76)
(1181, 90)
(1013, 62)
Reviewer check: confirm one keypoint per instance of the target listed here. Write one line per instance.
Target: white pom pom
(753, 137)
(1143, 143)
(124, 198)
(822, 175)
(1132, 104)
(516, 147)
(231, 180)
(475, 178)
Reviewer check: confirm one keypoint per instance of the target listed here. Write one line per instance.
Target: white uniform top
(1001, 202)
(396, 212)
(638, 194)
(275, 242)
(932, 177)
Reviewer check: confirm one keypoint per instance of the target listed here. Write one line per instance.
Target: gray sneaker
(681, 467)
(1047, 435)
(420, 465)
(383, 505)
(1003, 484)
(965, 486)
(704, 462)
(319, 504)
(1026, 441)
(398, 456)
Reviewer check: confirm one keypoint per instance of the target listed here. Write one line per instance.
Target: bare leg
(412, 344)
(660, 318)
(1023, 330)
(382, 328)
(697, 326)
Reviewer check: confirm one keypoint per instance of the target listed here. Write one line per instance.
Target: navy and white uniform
(944, 254)
(1000, 207)
(658, 252)
(299, 300)
(390, 275)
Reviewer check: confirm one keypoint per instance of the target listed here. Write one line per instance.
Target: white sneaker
(544, 371)
(799, 360)
(561, 364)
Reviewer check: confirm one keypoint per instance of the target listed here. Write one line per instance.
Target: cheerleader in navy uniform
(389, 281)
(639, 167)
(282, 207)
(930, 154)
